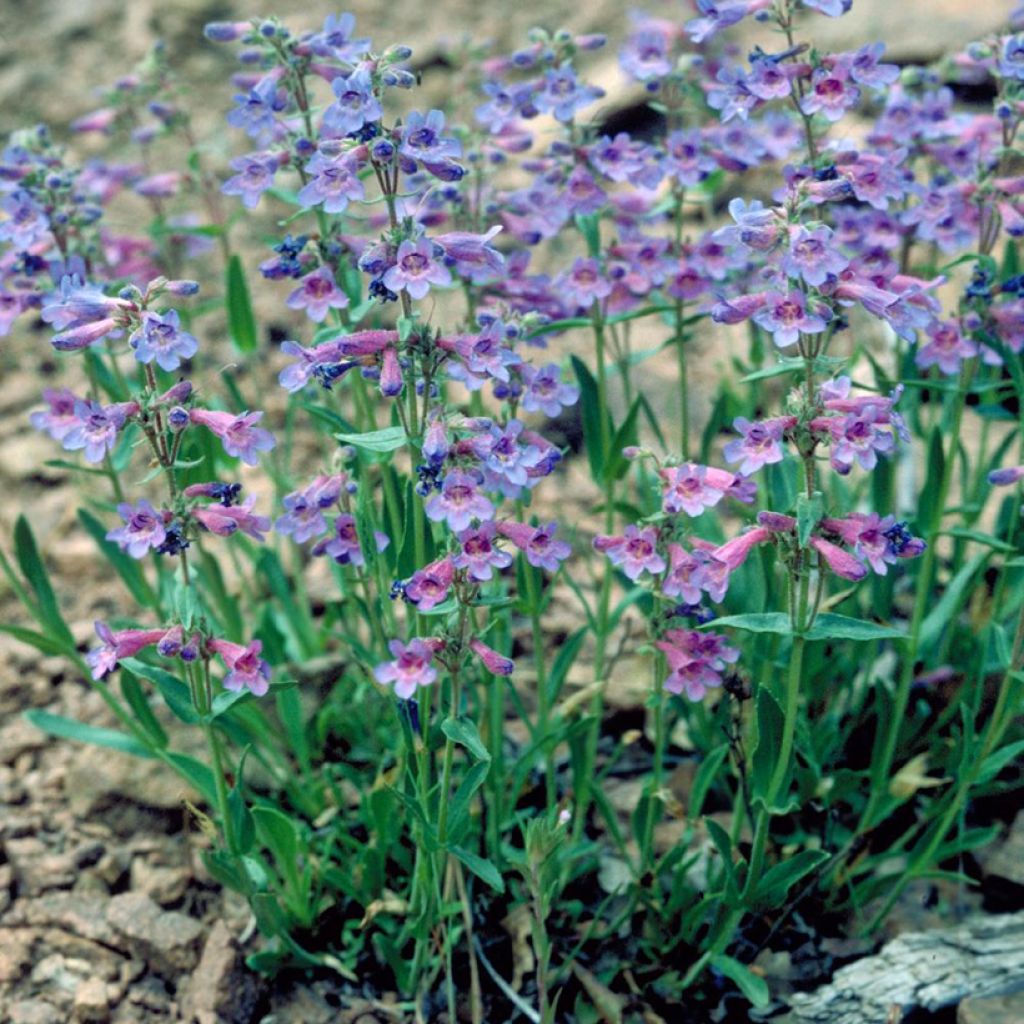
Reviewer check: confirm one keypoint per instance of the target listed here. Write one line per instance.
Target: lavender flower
(544, 391)
(411, 668)
(333, 183)
(143, 529)
(812, 256)
(562, 94)
(760, 445)
(459, 502)
(539, 544)
(256, 175)
(478, 555)
(159, 338)
(636, 551)
(416, 270)
(787, 316)
(355, 103)
(97, 428)
(429, 586)
(422, 139)
(246, 669)
(317, 294)
(239, 434)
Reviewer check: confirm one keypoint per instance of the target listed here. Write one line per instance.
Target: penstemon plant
(402, 748)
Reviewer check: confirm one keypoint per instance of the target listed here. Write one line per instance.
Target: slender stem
(901, 698)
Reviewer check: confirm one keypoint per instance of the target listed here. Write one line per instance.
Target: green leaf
(175, 693)
(809, 511)
(241, 320)
(770, 725)
(936, 468)
(753, 986)
(31, 565)
(70, 729)
(946, 608)
(625, 436)
(40, 641)
(462, 730)
(705, 777)
(591, 414)
(776, 882)
(387, 440)
(139, 703)
(197, 774)
(128, 568)
(756, 622)
(483, 869)
(998, 760)
(828, 626)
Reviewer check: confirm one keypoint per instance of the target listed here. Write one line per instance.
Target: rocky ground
(106, 912)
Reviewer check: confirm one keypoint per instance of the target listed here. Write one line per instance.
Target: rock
(1006, 859)
(36, 869)
(997, 1010)
(166, 940)
(164, 885)
(18, 737)
(221, 989)
(15, 952)
(52, 972)
(34, 1011)
(91, 1003)
(78, 913)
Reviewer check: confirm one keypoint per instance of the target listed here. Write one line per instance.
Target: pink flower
(317, 294)
(429, 586)
(245, 666)
(411, 668)
(691, 488)
(761, 444)
(494, 662)
(239, 434)
(126, 643)
(636, 551)
(224, 520)
(841, 562)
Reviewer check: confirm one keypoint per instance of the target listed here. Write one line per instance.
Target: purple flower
(760, 445)
(946, 347)
(159, 338)
(429, 586)
(636, 551)
(483, 356)
(333, 182)
(813, 256)
(495, 663)
(239, 434)
(683, 580)
(412, 667)
(506, 460)
(538, 544)
(1011, 57)
(459, 502)
(786, 316)
(355, 103)
(335, 39)
(585, 283)
(478, 555)
(303, 519)
(623, 159)
(695, 660)
(832, 93)
(343, 546)
(544, 391)
(246, 669)
(1005, 477)
(858, 438)
(422, 139)
(26, 222)
(143, 529)
(691, 488)
(832, 8)
(471, 254)
(416, 270)
(317, 293)
(312, 362)
(76, 303)
(256, 175)
(719, 14)
(125, 643)
(646, 54)
(59, 418)
(865, 69)
(256, 111)
(97, 427)
(562, 94)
